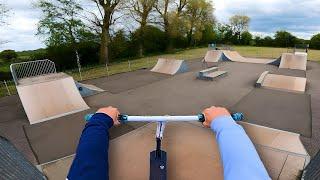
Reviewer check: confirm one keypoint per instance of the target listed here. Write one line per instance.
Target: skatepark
(279, 99)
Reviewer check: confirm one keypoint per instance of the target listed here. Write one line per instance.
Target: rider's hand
(111, 112)
(212, 113)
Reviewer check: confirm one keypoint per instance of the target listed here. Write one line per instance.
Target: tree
(198, 14)
(246, 38)
(60, 23)
(284, 39)
(225, 34)
(177, 21)
(8, 55)
(162, 7)
(140, 11)
(315, 41)
(268, 41)
(239, 24)
(104, 23)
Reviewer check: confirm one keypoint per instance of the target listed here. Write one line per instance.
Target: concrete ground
(145, 93)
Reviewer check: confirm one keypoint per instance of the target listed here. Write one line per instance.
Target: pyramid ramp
(170, 66)
(294, 61)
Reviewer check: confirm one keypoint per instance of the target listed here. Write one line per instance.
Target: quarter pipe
(170, 66)
(49, 96)
(294, 61)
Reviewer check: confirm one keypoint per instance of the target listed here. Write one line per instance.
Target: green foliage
(60, 23)
(246, 38)
(120, 46)
(284, 39)
(315, 41)
(268, 41)
(64, 56)
(225, 34)
(8, 55)
(208, 35)
(239, 23)
(153, 40)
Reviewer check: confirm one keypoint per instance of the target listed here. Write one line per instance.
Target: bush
(38, 56)
(119, 46)
(246, 38)
(153, 40)
(64, 56)
(315, 41)
(8, 55)
(285, 39)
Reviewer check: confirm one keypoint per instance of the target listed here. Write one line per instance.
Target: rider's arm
(91, 160)
(239, 157)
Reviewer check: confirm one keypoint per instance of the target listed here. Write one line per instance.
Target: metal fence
(31, 69)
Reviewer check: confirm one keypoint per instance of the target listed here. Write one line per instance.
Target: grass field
(150, 61)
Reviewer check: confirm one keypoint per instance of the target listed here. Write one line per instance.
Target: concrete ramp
(236, 57)
(170, 66)
(281, 82)
(212, 57)
(49, 96)
(294, 61)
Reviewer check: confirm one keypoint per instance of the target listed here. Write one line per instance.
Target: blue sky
(302, 18)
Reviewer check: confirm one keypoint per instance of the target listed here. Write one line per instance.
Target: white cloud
(22, 26)
(267, 16)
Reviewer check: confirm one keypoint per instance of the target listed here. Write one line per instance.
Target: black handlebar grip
(122, 117)
(201, 117)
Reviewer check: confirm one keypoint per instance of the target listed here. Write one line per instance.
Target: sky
(302, 18)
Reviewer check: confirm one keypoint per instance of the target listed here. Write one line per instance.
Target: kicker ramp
(170, 66)
(294, 61)
(281, 82)
(45, 94)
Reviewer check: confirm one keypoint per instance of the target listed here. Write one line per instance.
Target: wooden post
(129, 64)
(107, 70)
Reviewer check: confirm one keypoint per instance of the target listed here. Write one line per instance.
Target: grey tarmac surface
(145, 93)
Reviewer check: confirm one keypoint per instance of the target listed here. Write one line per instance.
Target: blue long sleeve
(239, 157)
(91, 160)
